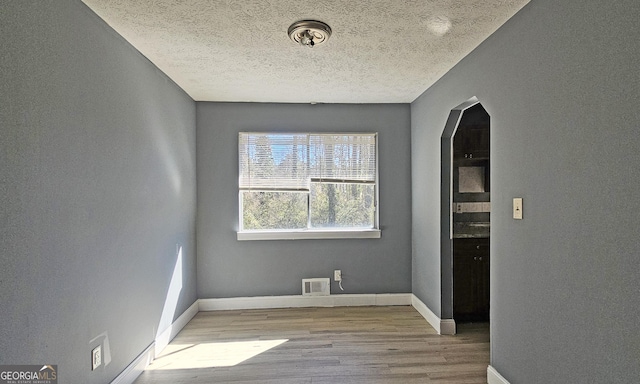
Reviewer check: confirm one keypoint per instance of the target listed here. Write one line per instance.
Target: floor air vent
(315, 287)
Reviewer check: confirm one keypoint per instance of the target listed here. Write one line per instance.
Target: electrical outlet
(96, 357)
(337, 275)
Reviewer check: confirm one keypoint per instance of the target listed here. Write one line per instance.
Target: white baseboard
(493, 377)
(165, 337)
(299, 301)
(137, 366)
(442, 326)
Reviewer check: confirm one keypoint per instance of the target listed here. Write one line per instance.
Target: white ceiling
(381, 51)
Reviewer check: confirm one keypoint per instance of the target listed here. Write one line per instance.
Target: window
(307, 185)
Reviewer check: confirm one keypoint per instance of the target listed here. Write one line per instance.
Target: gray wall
(560, 81)
(231, 268)
(97, 192)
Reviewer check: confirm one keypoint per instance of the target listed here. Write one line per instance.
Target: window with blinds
(298, 181)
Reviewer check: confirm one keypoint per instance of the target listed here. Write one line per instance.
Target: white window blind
(343, 158)
(273, 162)
(290, 162)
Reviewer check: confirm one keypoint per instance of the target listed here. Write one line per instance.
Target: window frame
(309, 232)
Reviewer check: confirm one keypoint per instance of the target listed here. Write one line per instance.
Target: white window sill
(310, 234)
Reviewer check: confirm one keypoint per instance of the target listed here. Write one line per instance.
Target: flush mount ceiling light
(309, 33)
(439, 25)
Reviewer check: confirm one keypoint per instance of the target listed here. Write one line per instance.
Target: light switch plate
(517, 208)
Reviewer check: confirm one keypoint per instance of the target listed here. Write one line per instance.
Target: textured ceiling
(381, 51)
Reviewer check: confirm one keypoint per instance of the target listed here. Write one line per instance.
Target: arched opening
(465, 215)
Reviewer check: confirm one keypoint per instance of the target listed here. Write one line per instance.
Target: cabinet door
(471, 280)
(460, 145)
(482, 305)
(464, 285)
(479, 142)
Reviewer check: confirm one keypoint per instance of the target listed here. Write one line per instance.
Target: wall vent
(316, 287)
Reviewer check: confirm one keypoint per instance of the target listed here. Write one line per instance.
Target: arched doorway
(465, 215)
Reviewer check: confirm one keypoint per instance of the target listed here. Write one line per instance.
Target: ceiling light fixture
(309, 33)
(439, 25)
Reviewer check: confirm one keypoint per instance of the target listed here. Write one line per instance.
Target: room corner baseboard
(442, 326)
(299, 301)
(138, 365)
(164, 338)
(493, 377)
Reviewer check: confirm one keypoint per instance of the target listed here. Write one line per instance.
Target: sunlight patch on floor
(211, 355)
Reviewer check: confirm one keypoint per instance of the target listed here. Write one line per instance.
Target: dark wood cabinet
(471, 279)
(471, 142)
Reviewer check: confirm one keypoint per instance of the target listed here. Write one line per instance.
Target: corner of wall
(442, 326)
(138, 365)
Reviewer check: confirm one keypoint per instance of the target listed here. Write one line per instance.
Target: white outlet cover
(96, 357)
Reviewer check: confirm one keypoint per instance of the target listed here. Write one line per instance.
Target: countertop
(471, 230)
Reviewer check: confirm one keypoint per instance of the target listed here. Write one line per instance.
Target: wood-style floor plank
(321, 345)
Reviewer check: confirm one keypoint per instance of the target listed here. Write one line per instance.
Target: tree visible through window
(307, 181)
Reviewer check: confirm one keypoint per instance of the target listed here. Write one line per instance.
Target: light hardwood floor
(321, 345)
